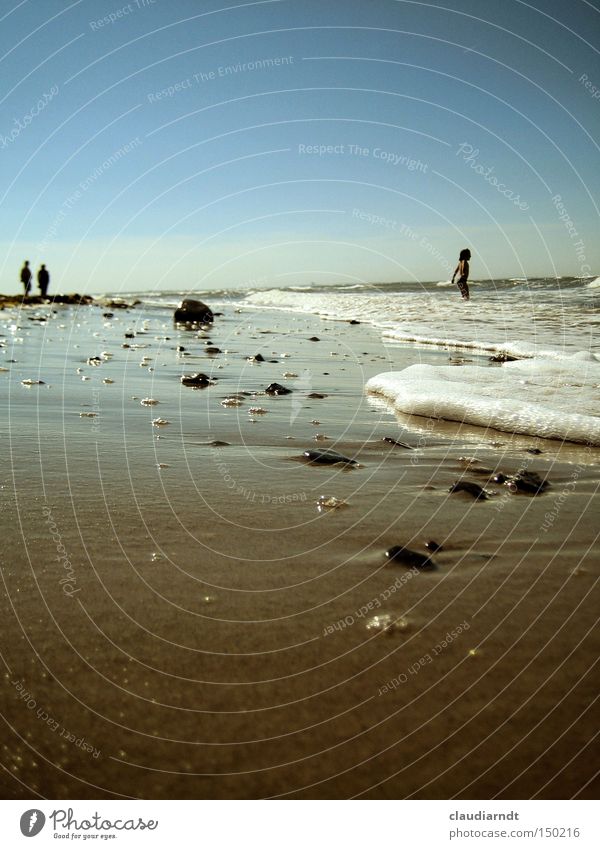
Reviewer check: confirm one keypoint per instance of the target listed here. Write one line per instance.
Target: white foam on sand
(554, 399)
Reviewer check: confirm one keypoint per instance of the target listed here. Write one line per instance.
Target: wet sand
(199, 630)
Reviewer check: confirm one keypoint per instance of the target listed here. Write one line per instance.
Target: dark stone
(328, 457)
(314, 339)
(527, 483)
(318, 395)
(499, 477)
(533, 450)
(503, 357)
(197, 380)
(392, 441)
(218, 443)
(257, 358)
(432, 545)
(180, 348)
(130, 335)
(277, 389)
(114, 303)
(212, 349)
(410, 559)
(353, 321)
(73, 299)
(473, 489)
(108, 314)
(192, 312)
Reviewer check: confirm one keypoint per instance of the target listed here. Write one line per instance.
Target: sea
(552, 317)
(548, 325)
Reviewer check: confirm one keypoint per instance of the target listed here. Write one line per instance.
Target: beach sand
(199, 629)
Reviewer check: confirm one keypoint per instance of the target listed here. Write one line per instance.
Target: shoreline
(199, 639)
(74, 299)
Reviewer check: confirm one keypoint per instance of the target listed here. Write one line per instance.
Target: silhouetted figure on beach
(462, 269)
(26, 277)
(43, 280)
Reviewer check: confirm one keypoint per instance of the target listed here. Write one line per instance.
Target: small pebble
(330, 502)
(410, 559)
(387, 623)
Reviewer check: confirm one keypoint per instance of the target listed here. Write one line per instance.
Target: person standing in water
(43, 280)
(462, 269)
(26, 277)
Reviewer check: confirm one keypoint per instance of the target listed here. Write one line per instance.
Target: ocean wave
(520, 322)
(520, 349)
(554, 285)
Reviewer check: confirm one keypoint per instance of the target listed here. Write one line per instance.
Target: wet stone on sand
(328, 457)
(392, 441)
(411, 559)
(277, 389)
(526, 483)
(473, 489)
(197, 381)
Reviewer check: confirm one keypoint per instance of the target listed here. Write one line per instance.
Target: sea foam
(538, 397)
(544, 322)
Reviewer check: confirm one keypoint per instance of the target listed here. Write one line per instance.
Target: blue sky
(176, 145)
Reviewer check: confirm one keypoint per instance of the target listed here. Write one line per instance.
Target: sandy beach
(181, 620)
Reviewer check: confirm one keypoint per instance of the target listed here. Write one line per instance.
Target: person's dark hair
(465, 254)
